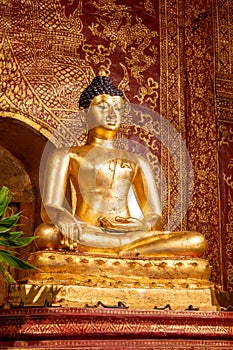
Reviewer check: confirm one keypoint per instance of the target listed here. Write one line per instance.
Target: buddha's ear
(82, 110)
(88, 118)
(83, 114)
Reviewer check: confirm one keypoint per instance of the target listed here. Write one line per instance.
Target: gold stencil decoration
(203, 213)
(230, 213)
(42, 71)
(147, 125)
(223, 37)
(229, 236)
(99, 55)
(57, 57)
(226, 135)
(228, 179)
(226, 199)
(149, 93)
(73, 21)
(124, 84)
(115, 23)
(149, 6)
(224, 95)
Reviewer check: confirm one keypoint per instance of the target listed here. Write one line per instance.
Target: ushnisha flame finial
(102, 72)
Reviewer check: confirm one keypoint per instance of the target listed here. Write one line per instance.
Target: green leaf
(6, 274)
(10, 252)
(8, 223)
(10, 234)
(14, 262)
(16, 242)
(11, 239)
(5, 199)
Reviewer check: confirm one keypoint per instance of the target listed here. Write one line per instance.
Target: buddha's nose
(112, 112)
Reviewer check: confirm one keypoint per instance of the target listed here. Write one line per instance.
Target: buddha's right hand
(70, 229)
(73, 230)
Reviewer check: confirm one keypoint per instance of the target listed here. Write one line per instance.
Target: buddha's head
(103, 103)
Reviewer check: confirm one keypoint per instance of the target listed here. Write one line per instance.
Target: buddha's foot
(169, 244)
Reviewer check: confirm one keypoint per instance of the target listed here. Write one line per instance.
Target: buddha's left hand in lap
(123, 225)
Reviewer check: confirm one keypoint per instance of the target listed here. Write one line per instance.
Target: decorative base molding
(84, 328)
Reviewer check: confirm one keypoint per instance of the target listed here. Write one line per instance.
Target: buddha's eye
(103, 106)
(117, 107)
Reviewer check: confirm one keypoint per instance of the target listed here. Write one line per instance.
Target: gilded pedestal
(77, 280)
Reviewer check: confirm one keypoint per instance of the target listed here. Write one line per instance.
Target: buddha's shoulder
(135, 157)
(59, 152)
(69, 151)
(81, 151)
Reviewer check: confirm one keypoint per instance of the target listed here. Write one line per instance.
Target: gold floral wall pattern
(187, 100)
(201, 137)
(51, 50)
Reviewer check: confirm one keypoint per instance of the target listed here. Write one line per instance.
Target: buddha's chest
(108, 173)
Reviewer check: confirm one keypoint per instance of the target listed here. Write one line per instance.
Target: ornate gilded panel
(50, 51)
(226, 184)
(224, 92)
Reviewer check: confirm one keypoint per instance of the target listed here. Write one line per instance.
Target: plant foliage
(10, 239)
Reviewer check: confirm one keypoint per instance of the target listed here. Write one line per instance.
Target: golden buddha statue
(101, 251)
(102, 176)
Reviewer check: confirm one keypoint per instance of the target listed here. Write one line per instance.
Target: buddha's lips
(112, 121)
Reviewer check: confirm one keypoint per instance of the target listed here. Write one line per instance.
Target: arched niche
(14, 176)
(21, 151)
(21, 147)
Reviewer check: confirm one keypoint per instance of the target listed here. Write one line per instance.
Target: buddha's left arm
(146, 193)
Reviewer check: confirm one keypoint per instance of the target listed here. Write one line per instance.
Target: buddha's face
(105, 112)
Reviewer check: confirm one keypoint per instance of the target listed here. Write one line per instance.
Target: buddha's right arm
(55, 182)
